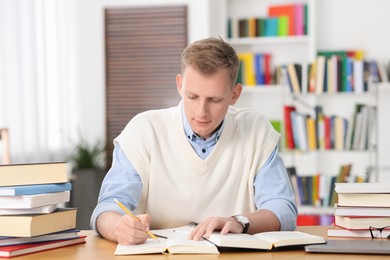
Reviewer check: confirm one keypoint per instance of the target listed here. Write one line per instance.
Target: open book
(168, 246)
(265, 240)
(177, 242)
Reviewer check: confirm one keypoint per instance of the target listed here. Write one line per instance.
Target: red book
(288, 126)
(24, 249)
(267, 69)
(328, 144)
(284, 10)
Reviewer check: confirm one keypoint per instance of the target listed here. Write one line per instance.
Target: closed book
(35, 189)
(67, 234)
(365, 187)
(34, 173)
(361, 222)
(24, 249)
(363, 233)
(361, 211)
(292, 73)
(37, 210)
(32, 201)
(287, 10)
(247, 59)
(35, 225)
(364, 199)
(288, 126)
(311, 133)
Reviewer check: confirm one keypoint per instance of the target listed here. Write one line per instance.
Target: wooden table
(99, 248)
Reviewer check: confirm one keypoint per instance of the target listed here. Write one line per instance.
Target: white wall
(355, 24)
(90, 54)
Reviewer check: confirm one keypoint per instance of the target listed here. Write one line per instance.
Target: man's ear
(236, 93)
(179, 83)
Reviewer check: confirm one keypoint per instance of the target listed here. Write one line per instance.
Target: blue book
(259, 67)
(271, 26)
(34, 189)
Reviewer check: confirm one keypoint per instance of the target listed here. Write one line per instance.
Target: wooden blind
(143, 48)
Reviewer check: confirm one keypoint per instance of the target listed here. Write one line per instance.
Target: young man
(202, 161)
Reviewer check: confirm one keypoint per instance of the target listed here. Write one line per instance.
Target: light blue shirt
(272, 186)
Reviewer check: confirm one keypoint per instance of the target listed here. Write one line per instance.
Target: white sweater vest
(178, 186)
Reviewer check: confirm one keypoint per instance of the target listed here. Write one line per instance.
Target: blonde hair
(209, 56)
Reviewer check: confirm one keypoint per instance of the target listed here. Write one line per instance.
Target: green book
(283, 25)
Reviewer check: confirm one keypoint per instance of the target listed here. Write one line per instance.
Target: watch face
(242, 219)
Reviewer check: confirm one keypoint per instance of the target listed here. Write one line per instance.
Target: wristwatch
(244, 221)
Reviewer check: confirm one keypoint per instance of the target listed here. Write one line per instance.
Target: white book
(342, 232)
(32, 201)
(365, 187)
(37, 210)
(362, 211)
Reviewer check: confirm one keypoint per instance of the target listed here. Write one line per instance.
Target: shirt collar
(191, 135)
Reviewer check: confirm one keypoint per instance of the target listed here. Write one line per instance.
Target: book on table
(361, 211)
(32, 201)
(364, 199)
(265, 240)
(28, 211)
(363, 233)
(33, 173)
(66, 234)
(35, 189)
(359, 222)
(24, 249)
(168, 246)
(177, 242)
(35, 225)
(364, 187)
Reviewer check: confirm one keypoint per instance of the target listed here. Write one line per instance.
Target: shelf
(269, 40)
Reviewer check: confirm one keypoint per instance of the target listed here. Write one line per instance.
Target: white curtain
(37, 77)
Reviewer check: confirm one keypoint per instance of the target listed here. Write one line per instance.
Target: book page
(289, 238)
(239, 241)
(186, 246)
(151, 246)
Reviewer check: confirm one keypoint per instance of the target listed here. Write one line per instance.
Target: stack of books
(32, 215)
(362, 210)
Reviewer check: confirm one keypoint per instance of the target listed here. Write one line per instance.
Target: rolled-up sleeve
(121, 182)
(273, 191)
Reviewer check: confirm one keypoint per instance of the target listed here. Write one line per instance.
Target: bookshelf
(270, 99)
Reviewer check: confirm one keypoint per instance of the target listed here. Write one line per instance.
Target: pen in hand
(128, 212)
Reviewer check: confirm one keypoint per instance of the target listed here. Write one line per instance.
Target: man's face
(206, 99)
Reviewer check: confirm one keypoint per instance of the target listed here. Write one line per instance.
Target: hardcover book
(35, 225)
(24, 249)
(33, 173)
(34, 189)
(32, 201)
(67, 234)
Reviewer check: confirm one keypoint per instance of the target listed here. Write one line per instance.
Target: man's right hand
(124, 229)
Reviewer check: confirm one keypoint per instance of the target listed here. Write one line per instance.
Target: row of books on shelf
(255, 69)
(362, 210)
(334, 72)
(281, 20)
(33, 216)
(329, 132)
(330, 72)
(318, 189)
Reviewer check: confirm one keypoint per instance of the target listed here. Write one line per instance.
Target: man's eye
(191, 97)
